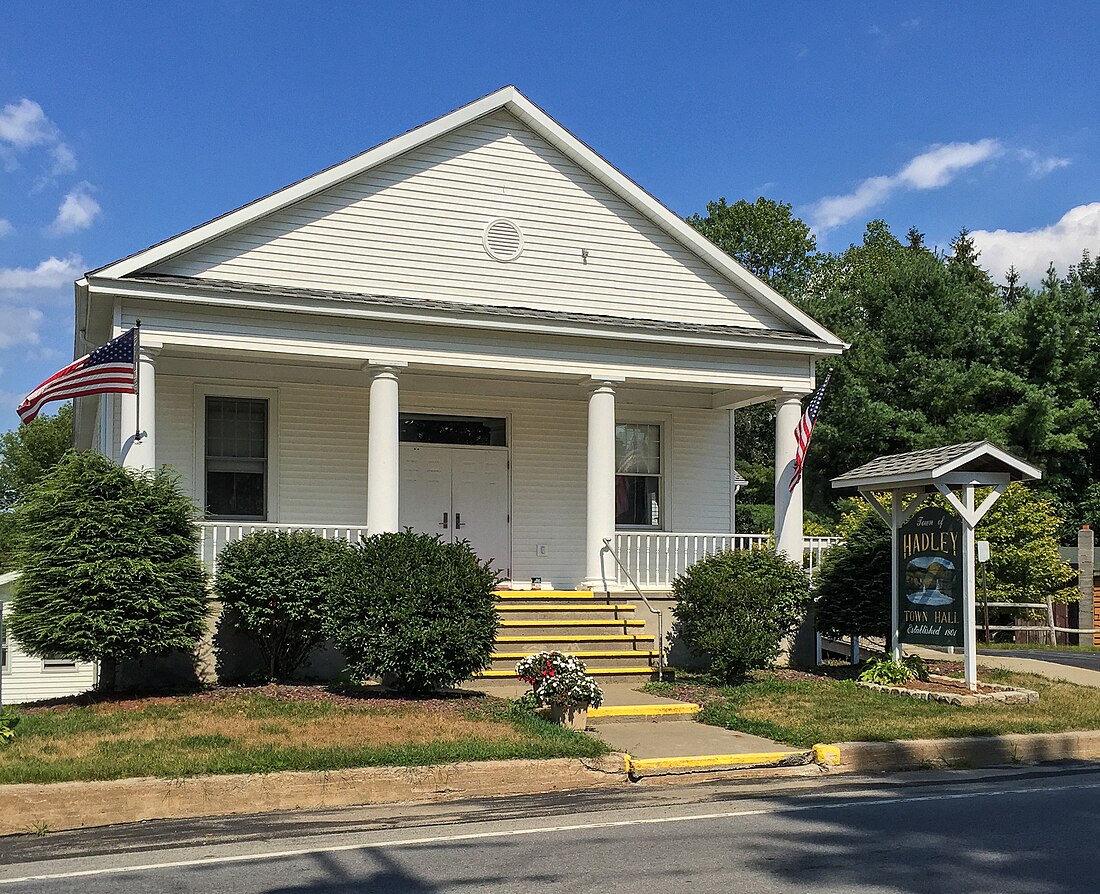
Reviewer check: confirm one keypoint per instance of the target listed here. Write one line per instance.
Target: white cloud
(1041, 165)
(23, 124)
(6, 229)
(1032, 251)
(64, 159)
(78, 210)
(20, 326)
(51, 273)
(930, 170)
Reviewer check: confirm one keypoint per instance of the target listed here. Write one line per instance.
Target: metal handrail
(660, 615)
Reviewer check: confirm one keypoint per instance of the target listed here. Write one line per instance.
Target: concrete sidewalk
(646, 739)
(1049, 669)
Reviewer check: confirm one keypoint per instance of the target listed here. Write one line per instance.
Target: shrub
(887, 672)
(414, 612)
(110, 565)
(853, 584)
(559, 679)
(275, 585)
(737, 607)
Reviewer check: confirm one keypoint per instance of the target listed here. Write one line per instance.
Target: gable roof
(511, 100)
(925, 466)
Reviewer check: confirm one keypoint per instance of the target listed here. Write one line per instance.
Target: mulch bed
(369, 696)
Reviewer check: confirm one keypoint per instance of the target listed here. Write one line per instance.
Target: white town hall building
(479, 329)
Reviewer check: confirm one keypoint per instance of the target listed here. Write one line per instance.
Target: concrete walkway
(1049, 669)
(646, 739)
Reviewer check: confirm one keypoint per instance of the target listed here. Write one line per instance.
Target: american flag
(110, 369)
(805, 430)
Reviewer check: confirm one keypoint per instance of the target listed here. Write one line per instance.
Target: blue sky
(123, 123)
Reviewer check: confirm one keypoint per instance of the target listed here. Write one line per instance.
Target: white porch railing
(656, 558)
(218, 535)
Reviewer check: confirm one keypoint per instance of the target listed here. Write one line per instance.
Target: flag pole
(137, 382)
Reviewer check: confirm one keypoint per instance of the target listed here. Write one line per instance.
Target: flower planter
(570, 716)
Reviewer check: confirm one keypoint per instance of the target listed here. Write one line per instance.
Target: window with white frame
(58, 662)
(638, 471)
(4, 652)
(236, 458)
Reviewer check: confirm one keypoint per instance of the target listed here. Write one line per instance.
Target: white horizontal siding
(26, 680)
(413, 227)
(322, 461)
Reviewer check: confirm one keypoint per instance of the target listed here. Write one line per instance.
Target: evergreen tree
(110, 567)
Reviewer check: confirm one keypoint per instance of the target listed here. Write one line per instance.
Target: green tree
(110, 565)
(26, 454)
(765, 238)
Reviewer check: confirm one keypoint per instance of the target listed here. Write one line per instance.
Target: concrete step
(556, 611)
(537, 642)
(640, 674)
(538, 595)
(593, 660)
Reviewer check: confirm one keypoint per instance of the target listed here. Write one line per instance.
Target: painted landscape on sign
(928, 580)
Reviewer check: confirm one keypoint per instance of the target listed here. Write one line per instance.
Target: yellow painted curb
(704, 761)
(826, 755)
(643, 711)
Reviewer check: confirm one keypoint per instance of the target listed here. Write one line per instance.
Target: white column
(600, 520)
(383, 464)
(970, 631)
(138, 447)
(788, 503)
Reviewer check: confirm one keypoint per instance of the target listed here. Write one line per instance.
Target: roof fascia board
(511, 99)
(1025, 469)
(281, 198)
(434, 317)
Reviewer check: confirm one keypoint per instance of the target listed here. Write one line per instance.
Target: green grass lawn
(801, 709)
(250, 732)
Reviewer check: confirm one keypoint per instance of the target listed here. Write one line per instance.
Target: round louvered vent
(503, 240)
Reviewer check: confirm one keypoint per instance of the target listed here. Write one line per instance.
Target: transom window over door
(236, 458)
(638, 475)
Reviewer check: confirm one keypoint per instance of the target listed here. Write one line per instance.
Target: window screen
(638, 475)
(236, 458)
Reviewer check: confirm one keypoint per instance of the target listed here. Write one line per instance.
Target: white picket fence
(656, 558)
(218, 535)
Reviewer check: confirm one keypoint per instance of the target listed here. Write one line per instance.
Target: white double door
(460, 493)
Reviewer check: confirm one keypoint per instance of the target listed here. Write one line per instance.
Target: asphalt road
(1087, 660)
(1010, 831)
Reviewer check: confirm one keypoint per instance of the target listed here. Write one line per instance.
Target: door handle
(458, 520)
(443, 524)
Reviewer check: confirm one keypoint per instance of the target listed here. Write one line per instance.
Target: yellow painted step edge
(565, 608)
(580, 638)
(606, 653)
(572, 622)
(592, 671)
(643, 710)
(544, 594)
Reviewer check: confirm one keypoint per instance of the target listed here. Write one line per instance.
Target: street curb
(76, 805)
(642, 768)
(984, 751)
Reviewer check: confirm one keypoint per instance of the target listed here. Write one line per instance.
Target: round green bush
(414, 612)
(110, 566)
(736, 608)
(275, 586)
